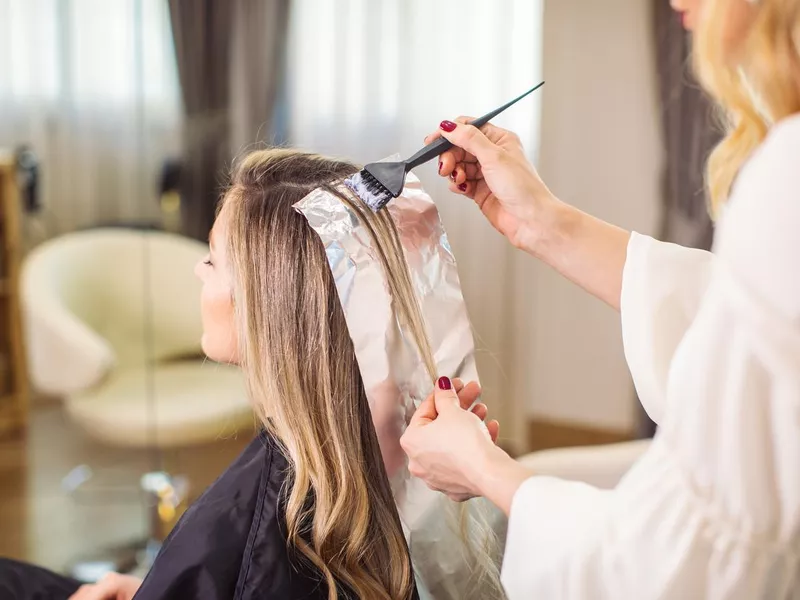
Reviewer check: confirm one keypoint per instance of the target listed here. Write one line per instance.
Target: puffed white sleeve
(662, 285)
(712, 508)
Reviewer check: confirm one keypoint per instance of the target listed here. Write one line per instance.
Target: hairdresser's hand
(445, 437)
(489, 166)
(111, 587)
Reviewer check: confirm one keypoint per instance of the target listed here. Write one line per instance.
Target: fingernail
(453, 175)
(447, 125)
(440, 166)
(444, 383)
(463, 187)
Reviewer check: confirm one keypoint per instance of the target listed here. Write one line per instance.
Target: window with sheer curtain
(370, 78)
(91, 87)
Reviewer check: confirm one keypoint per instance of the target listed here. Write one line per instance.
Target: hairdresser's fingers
(454, 496)
(471, 139)
(469, 394)
(459, 174)
(481, 194)
(494, 429)
(472, 170)
(438, 133)
(460, 497)
(495, 134)
(463, 119)
(445, 397)
(468, 158)
(419, 473)
(425, 413)
(450, 158)
(447, 162)
(480, 410)
(456, 155)
(464, 188)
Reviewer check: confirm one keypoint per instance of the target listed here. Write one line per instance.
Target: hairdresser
(712, 510)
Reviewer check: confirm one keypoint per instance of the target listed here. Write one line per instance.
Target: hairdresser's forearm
(584, 249)
(497, 478)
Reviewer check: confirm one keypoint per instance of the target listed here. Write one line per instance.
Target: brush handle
(430, 151)
(436, 147)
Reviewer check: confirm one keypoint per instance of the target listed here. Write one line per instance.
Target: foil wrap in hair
(393, 372)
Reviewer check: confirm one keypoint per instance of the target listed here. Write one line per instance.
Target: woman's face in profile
(219, 341)
(688, 10)
(738, 17)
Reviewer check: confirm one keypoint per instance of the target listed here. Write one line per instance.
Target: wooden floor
(41, 523)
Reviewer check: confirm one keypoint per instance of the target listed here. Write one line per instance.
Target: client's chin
(221, 353)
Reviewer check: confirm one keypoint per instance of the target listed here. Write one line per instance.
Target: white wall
(600, 150)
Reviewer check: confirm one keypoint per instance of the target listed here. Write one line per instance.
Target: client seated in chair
(307, 510)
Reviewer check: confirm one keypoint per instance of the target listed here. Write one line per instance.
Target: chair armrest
(601, 466)
(64, 355)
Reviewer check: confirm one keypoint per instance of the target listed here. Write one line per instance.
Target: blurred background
(119, 120)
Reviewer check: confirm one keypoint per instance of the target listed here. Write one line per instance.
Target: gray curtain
(230, 55)
(689, 135)
(257, 71)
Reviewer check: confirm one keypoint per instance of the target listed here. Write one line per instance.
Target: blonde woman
(712, 510)
(307, 510)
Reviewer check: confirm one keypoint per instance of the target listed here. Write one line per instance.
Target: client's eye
(207, 261)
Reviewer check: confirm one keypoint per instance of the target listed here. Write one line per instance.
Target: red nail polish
(463, 187)
(440, 166)
(447, 125)
(444, 383)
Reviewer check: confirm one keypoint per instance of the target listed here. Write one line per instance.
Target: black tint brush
(377, 183)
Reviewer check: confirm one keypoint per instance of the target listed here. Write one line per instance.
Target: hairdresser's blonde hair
(304, 379)
(760, 87)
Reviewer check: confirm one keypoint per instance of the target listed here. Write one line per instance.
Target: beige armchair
(112, 325)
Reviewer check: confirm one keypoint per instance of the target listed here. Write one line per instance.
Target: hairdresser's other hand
(111, 587)
(446, 443)
(490, 166)
(467, 396)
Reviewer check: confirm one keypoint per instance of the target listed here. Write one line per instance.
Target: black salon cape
(230, 544)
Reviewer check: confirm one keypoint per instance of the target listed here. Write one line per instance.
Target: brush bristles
(371, 191)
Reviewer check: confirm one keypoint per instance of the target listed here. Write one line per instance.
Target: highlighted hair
(756, 88)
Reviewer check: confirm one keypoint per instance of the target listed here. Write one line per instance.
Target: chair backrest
(135, 289)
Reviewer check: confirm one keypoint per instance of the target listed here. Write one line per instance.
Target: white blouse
(712, 510)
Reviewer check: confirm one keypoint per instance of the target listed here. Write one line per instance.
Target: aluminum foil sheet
(394, 375)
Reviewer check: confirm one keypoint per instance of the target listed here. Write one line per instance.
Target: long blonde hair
(304, 378)
(760, 87)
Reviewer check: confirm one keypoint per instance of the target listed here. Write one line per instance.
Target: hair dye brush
(377, 183)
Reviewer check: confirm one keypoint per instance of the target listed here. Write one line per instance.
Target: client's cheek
(219, 334)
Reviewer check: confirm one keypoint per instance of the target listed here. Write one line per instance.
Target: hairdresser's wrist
(547, 227)
(497, 477)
